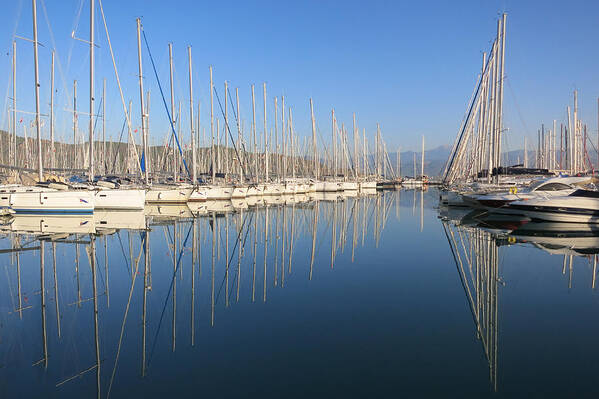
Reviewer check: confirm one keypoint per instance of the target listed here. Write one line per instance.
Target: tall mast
(170, 62)
(399, 162)
(355, 159)
(481, 118)
(569, 143)
(130, 142)
(552, 155)
(277, 140)
(422, 162)
(240, 138)
(575, 133)
(501, 77)
(333, 142)
(254, 136)
(492, 100)
(364, 150)
(104, 126)
(40, 168)
(291, 143)
(75, 120)
(91, 90)
(141, 100)
(283, 136)
(265, 139)
(525, 154)
(343, 159)
(217, 154)
(212, 127)
(146, 132)
(193, 139)
(314, 140)
(225, 128)
(52, 154)
(378, 150)
(14, 101)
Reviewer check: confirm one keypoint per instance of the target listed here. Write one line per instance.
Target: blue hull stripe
(55, 211)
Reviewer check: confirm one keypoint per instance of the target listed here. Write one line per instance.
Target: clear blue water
(401, 299)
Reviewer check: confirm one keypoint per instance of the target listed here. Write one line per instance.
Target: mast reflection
(167, 296)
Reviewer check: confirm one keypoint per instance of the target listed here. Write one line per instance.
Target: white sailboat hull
(114, 219)
(168, 195)
(53, 202)
(239, 192)
(53, 224)
(317, 186)
(168, 211)
(274, 189)
(120, 199)
(199, 194)
(368, 185)
(255, 191)
(214, 193)
(219, 206)
(8, 189)
(331, 187)
(349, 186)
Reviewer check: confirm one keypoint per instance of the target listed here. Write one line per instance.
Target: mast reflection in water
(476, 240)
(369, 295)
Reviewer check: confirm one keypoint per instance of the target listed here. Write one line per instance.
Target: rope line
(166, 107)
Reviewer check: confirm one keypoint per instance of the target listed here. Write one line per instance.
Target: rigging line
(123, 251)
(97, 115)
(118, 81)
(116, 153)
(75, 26)
(118, 352)
(9, 85)
(166, 106)
(457, 144)
(242, 248)
(517, 107)
(229, 130)
(53, 40)
(464, 285)
(169, 294)
(99, 272)
(238, 126)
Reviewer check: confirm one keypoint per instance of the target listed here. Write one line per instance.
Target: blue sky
(410, 66)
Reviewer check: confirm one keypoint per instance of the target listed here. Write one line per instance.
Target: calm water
(370, 297)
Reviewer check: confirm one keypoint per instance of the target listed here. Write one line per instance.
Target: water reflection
(476, 254)
(479, 245)
(135, 300)
(127, 284)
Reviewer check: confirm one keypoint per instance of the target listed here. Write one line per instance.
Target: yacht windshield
(544, 185)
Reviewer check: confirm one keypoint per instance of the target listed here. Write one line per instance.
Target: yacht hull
(167, 195)
(53, 203)
(120, 199)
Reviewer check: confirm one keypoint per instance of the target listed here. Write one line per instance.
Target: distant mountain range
(434, 160)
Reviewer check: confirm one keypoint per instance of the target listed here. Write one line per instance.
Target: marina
(136, 298)
(298, 200)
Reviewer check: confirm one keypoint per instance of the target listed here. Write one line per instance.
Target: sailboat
(417, 181)
(55, 198)
(48, 201)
